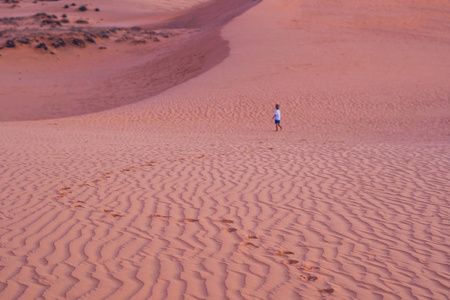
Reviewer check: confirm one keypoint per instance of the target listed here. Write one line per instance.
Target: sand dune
(190, 194)
(49, 60)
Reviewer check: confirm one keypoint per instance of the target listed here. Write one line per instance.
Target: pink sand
(153, 171)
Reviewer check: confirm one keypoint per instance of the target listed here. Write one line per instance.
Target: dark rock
(25, 41)
(81, 22)
(97, 9)
(42, 46)
(73, 4)
(155, 39)
(42, 15)
(65, 21)
(82, 8)
(10, 44)
(90, 40)
(59, 42)
(136, 28)
(50, 22)
(64, 16)
(79, 43)
(66, 6)
(102, 48)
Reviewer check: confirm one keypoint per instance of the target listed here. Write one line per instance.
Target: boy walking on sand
(277, 117)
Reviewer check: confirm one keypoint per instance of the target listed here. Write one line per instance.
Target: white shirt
(277, 115)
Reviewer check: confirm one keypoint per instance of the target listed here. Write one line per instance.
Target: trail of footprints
(307, 271)
(64, 193)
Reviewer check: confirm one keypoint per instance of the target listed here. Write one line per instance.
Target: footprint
(326, 291)
(290, 262)
(85, 184)
(64, 192)
(308, 277)
(226, 221)
(202, 156)
(76, 206)
(160, 216)
(64, 189)
(249, 236)
(78, 201)
(247, 244)
(126, 170)
(309, 268)
(283, 252)
(190, 220)
(115, 215)
(98, 180)
(230, 229)
(105, 210)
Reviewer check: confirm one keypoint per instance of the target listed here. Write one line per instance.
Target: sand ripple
(346, 226)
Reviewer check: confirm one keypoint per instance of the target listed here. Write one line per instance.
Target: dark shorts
(277, 121)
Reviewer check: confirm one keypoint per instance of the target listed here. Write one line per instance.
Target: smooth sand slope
(190, 194)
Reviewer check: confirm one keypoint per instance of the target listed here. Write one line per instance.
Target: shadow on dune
(197, 49)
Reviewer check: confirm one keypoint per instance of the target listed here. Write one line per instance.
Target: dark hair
(277, 106)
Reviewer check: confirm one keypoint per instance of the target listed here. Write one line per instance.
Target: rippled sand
(170, 182)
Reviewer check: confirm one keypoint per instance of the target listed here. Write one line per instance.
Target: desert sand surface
(152, 169)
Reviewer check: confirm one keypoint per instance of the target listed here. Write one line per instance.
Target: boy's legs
(277, 124)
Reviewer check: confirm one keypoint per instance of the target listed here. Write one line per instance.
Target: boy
(277, 117)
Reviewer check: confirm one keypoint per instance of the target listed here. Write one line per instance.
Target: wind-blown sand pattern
(189, 194)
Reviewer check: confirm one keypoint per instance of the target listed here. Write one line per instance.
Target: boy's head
(277, 106)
